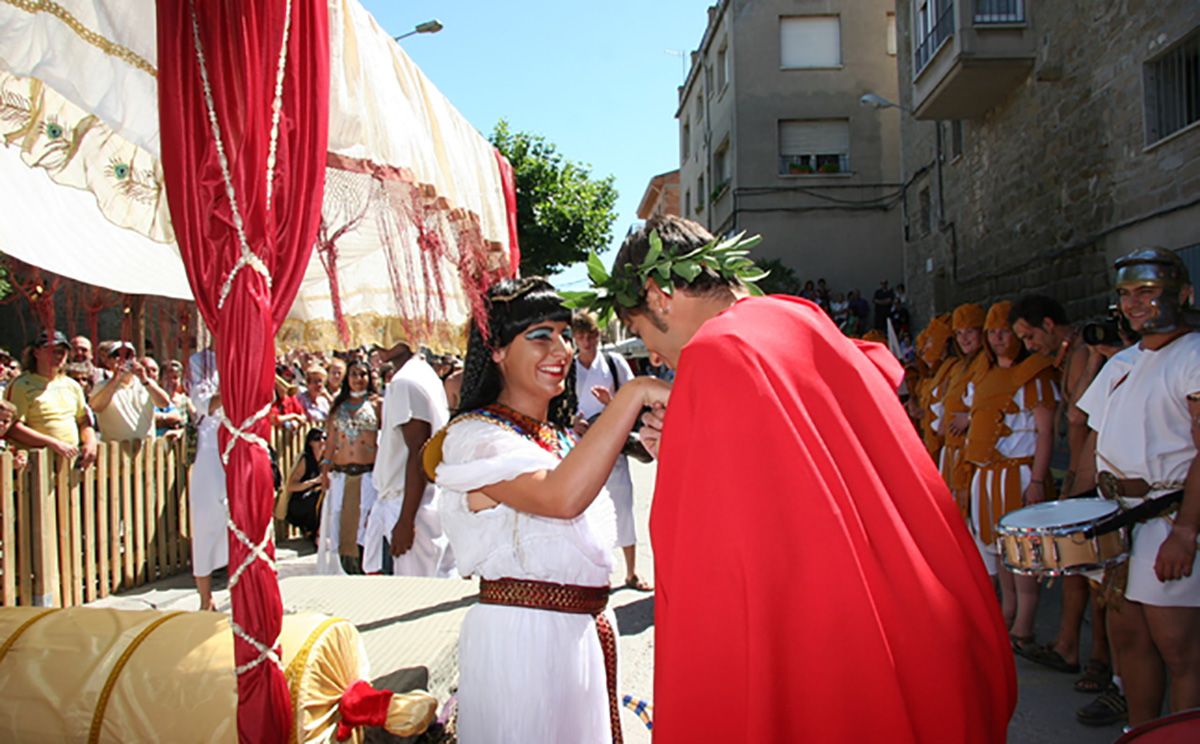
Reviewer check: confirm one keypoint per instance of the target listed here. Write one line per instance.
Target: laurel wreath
(626, 286)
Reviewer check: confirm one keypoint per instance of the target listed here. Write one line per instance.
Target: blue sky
(592, 77)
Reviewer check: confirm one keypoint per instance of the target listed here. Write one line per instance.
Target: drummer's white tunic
(1138, 406)
(525, 675)
(206, 490)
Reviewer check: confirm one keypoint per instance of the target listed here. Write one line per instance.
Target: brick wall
(1057, 180)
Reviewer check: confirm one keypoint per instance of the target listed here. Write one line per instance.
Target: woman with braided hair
(537, 656)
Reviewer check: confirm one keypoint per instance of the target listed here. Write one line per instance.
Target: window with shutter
(810, 41)
(814, 146)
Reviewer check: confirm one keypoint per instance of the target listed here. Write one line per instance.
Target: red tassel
(362, 705)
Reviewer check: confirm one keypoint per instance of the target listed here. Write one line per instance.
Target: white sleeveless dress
(525, 675)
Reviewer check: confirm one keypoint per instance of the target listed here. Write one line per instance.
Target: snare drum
(1048, 539)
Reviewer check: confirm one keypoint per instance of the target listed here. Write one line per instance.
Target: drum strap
(1143, 512)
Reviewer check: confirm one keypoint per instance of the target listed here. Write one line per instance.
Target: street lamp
(875, 100)
(428, 27)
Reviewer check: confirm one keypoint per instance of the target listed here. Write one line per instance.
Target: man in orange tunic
(848, 603)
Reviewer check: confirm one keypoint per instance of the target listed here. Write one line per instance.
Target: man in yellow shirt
(51, 408)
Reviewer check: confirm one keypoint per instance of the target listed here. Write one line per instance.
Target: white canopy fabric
(413, 192)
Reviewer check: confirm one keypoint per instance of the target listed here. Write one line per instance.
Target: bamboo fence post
(171, 472)
(24, 514)
(160, 507)
(8, 523)
(44, 529)
(105, 540)
(126, 451)
(90, 535)
(150, 539)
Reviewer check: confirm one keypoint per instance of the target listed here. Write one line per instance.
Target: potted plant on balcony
(830, 167)
(799, 169)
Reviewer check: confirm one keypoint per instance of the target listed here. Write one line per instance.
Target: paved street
(1045, 712)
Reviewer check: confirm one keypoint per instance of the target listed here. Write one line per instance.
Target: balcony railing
(943, 29)
(814, 165)
(999, 11)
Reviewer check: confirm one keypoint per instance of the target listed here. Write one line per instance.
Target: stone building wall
(1058, 180)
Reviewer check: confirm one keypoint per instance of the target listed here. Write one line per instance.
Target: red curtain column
(245, 187)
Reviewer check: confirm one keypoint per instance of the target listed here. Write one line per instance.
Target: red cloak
(815, 581)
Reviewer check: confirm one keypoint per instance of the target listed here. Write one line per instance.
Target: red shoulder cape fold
(815, 581)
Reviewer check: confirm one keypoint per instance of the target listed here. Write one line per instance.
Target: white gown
(525, 675)
(206, 490)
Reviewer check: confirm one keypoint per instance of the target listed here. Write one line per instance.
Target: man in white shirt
(1145, 407)
(404, 519)
(124, 403)
(609, 371)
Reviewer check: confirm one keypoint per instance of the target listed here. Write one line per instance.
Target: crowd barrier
(71, 536)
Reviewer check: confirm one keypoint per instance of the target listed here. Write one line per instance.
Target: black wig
(512, 306)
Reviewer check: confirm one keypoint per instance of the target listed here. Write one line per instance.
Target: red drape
(849, 603)
(508, 180)
(241, 42)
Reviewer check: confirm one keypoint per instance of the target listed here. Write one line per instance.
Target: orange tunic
(965, 371)
(932, 392)
(1000, 488)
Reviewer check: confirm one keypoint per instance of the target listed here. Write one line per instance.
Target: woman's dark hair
(512, 306)
(312, 468)
(344, 393)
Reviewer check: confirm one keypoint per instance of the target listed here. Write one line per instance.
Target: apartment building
(773, 138)
(1043, 139)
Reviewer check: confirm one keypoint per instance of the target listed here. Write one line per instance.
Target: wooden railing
(70, 536)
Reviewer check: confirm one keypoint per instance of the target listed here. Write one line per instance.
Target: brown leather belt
(1112, 487)
(577, 600)
(353, 468)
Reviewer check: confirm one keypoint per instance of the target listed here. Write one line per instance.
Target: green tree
(562, 211)
(781, 280)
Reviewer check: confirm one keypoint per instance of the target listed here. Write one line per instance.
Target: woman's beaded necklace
(553, 439)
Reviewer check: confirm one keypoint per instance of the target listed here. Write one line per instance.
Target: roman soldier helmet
(1156, 267)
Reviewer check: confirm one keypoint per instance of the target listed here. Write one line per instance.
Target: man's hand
(403, 535)
(1034, 494)
(602, 394)
(20, 460)
(651, 431)
(1176, 555)
(580, 425)
(87, 453)
(62, 449)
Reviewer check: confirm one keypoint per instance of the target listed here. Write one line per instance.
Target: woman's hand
(960, 424)
(654, 391)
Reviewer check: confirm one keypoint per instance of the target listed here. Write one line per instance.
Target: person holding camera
(597, 369)
(124, 403)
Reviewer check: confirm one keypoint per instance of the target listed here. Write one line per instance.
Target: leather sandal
(638, 584)
(1048, 657)
(1096, 677)
(1109, 708)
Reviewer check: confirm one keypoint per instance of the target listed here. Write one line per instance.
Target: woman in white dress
(537, 656)
(206, 489)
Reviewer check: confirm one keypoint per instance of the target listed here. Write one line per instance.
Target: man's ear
(656, 299)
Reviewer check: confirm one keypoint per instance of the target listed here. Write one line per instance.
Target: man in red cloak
(815, 580)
